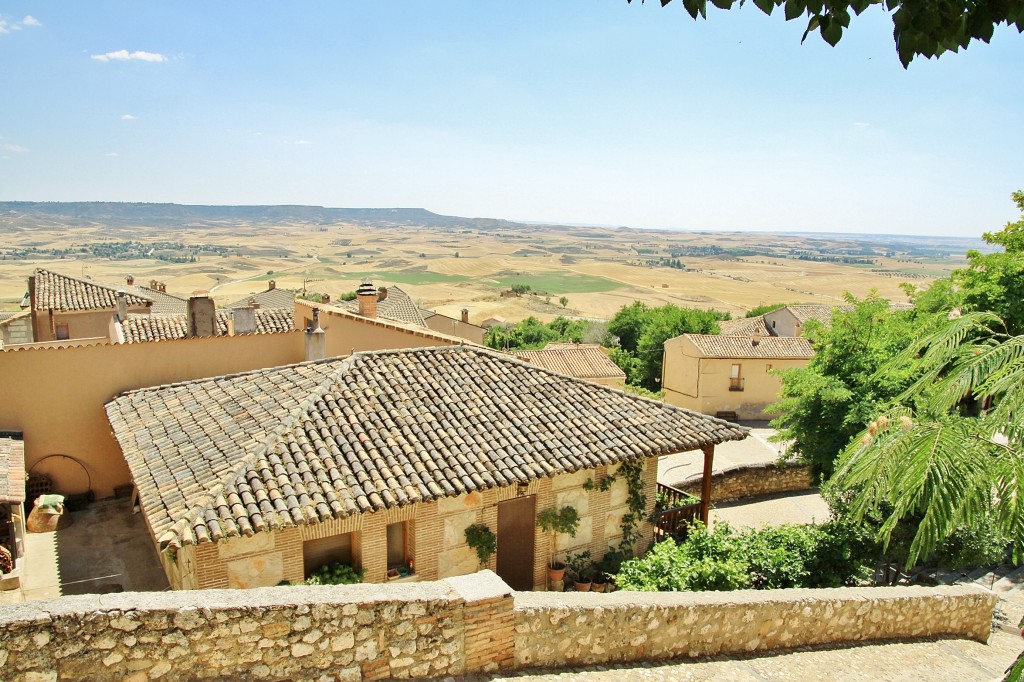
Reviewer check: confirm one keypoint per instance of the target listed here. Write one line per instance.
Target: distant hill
(170, 215)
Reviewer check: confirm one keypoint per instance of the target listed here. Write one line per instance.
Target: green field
(559, 283)
(403, 277)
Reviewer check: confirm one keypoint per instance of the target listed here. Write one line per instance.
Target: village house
(12, 508)
(383, 459)
(587, 361)
(395, 304)
(271, 298)
(729, 376)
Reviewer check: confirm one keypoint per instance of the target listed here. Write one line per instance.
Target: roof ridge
(286, 424)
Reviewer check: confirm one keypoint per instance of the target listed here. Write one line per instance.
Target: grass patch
(405, 277)
(559, 283)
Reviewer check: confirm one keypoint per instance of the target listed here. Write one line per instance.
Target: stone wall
(351, 632)
(750, 480)
(582, 629)
(456, 626)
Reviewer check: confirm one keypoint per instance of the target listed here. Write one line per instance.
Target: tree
(926, 29)
(954, 460)
(564, 301)
(828, 402)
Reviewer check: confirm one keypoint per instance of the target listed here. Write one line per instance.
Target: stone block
(578, 498)
(456, 561)
(235, 547)
(575, 480)
(454, 505)
(455, 528)
(264, 570)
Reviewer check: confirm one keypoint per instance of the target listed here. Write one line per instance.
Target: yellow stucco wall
(55, 396)
(700, 383)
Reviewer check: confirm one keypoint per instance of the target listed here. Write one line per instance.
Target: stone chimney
(271, 285)
(316, 339)
(163, 288)
(130, 280)
(382, 294)
(325, 298)
(367, 297)
(153, 283)
(253, 304)
(755, 339)
(202, 315)
(122, 305)
(243, 321)
(465, 316)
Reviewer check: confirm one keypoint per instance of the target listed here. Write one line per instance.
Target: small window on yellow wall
(61, 332)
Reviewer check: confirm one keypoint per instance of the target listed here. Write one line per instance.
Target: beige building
(65, 307)
(383, 459)
(587, 361)
(729, 376)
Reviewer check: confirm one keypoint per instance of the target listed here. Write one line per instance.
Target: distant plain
(448, 268)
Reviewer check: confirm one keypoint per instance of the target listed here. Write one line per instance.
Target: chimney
(325, 298)
(153, 283)
(253, 304)
(367, 297)
(465, 316)
(755, 339)
(243, 321)
(163, 288)
(122, 305)
(271, 285)
(316, 339)
(382, 294)
(130, 280)
(202, 315)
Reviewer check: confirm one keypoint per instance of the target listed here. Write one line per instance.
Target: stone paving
(944, 660)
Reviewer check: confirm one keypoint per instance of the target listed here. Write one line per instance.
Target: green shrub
(773, 557)
(335, 573)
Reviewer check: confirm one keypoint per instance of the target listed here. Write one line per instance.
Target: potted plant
(482, 540)
(580, 567)
(600, 582)
(566, 521)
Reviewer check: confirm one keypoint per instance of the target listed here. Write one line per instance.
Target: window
(61, 331)
(316, 553)
(398, 548)
(735, 378)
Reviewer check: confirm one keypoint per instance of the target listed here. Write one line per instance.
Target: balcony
(736, 384)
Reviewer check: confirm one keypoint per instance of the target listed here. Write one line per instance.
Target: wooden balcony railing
(675, 512)
(736, 384)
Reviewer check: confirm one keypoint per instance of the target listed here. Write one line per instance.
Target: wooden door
(516, 529)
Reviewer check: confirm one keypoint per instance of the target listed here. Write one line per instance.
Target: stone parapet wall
(751, 480)
(451, 627)
(349, 632)
(584, 629)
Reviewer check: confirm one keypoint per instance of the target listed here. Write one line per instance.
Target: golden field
(597, 269)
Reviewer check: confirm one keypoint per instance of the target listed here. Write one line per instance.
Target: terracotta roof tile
(275, 299)
(306, 443)
(398, 306)
(717, 346)
(66, 294)
(587, 361)
(141, 327)
(745, 326)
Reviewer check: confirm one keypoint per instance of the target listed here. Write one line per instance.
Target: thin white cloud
(127, 117)
(17, 148)
(303, 142)
(113, 155)
(7, 25)
(30, 20)
(3, 27)
(126, 56)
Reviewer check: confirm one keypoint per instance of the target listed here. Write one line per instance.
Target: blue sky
(590, 111)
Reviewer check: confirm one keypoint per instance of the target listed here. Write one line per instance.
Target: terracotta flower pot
(556, 571)
(583, 587)
(599, 587)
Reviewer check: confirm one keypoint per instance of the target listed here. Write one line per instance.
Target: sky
(576, 111)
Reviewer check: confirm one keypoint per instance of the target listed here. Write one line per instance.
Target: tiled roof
(163, 303)
(821, 313)
(398, 306)
(587, 361)
(305, 443)
(65, 294)
(12, 470)
(141, 327)
(745, 326)
(274, 299)
(717, 346)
